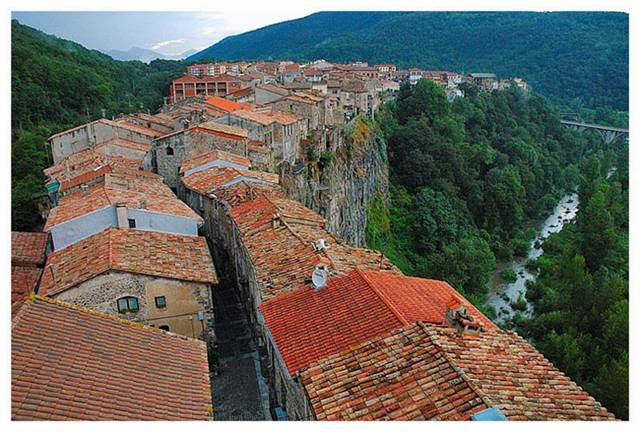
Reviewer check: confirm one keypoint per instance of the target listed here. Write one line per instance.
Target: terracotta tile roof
(72, 363)
(284, 117)
(129, 251)
(433, 372)
(23, 281)
(137, 128)
(240, 93)
(89, 164)
(226, 105)
(309, 324)
(195, 161)
(209, 179)
(273, 89)
(400, 375)
(28, 248)
(214, 128)
(134, 191)
(257, 117)
(271, 222)
(120, 142)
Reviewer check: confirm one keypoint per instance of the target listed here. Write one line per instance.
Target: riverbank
(509, 298)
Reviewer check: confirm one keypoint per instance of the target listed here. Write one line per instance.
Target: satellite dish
(319, 277)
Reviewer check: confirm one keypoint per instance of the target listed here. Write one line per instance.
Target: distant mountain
(146, 55)
(135, 53)
(565, 55)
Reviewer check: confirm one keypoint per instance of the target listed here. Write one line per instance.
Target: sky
(169, 33)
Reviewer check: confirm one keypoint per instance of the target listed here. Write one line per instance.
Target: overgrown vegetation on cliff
(57, 84)
(581, 294)
(468, 176)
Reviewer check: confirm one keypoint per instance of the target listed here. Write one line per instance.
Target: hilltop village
(149, 217)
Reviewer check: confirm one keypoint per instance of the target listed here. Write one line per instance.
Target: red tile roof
(210, 156)
(139, 192)
(28, 248)
(226, 105)
(117, 123)
(129, 251)
(23, 281)
(211, 178)
(309, 324)
(270, 222)
(72, 363)
(515, 377)
(400, 375)
(427, 371)
(214, 128)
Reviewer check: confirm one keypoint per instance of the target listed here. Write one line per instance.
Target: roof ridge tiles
(386, 300)
(472, 385)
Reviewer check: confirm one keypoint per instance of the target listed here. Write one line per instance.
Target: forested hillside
(467, 177)
(571, 57)
(56, 84)
(581, 295)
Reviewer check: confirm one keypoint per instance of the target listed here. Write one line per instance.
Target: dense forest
(468, 180)
(581, 294)
(577, 58)
(467, 176)
(57, 84)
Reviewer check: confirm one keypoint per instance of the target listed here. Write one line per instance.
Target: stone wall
(184, 301)
(169, 152)
(341, 191)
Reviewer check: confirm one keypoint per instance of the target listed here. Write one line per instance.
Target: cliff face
(340, 181)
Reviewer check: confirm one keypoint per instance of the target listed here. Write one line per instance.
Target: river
(502, 296)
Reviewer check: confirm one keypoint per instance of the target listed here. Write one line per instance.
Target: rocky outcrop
(344, 169)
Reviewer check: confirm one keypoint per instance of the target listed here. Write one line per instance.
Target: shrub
(508, 275)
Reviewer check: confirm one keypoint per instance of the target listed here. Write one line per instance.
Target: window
(128, 304)
(164, 327)
(161, 302)
(132, 223)
(169, 151)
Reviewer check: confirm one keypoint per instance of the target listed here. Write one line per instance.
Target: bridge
(609, 134)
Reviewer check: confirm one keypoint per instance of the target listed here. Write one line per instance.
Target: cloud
(159, 45)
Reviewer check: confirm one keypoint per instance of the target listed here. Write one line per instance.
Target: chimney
(85, 189)
(319, 245)
(275, 221)
(121, 214)
(458, 317)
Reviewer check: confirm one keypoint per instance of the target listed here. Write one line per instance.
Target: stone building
(314, 108)
(204, 174)
(121, 200)
(266, 93)
(159, 279)
(203, 86)
(280, 131)
(28, 254)
(73, 363)
(91, 134)
(169, 151)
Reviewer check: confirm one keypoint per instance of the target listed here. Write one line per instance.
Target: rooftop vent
(459, 318)
(320, 244)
